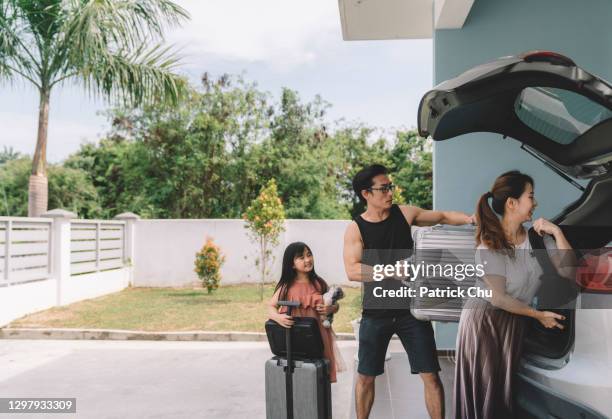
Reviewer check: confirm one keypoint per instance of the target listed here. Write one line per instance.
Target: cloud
(283, 34)
(65, 135)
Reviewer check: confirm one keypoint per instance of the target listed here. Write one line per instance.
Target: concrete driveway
(139, 379)
(152, 379)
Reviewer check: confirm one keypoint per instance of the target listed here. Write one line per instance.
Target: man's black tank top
(385, 242)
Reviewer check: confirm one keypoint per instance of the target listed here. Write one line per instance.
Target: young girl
(299, 282)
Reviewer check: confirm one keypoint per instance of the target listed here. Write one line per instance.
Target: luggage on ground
(297, 378)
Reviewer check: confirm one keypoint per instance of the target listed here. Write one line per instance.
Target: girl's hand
(284, 320)
(542, 225)
(549, 319)
(324, 310)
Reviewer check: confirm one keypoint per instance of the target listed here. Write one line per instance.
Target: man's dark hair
(363, 179)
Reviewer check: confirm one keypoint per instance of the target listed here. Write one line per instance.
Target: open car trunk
(562, 115)
(543, 100)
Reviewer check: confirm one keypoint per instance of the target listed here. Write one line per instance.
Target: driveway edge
(111, 334)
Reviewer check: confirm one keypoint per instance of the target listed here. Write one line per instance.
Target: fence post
(129, 239)
(60, 248)
(7, 250)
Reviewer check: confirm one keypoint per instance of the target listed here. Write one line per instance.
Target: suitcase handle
(289, 304)
(289, 368)
(466, 227)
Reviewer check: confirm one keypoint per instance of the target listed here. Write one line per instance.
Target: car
(562, 116)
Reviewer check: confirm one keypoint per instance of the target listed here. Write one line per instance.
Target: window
(558, 114)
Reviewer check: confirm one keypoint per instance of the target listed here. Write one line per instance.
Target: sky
(275, 43)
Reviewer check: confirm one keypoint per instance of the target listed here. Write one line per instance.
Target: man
(385, 227)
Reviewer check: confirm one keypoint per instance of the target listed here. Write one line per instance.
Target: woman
(491, 331)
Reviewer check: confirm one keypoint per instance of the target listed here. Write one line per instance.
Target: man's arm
(421, 217)
(353, 248)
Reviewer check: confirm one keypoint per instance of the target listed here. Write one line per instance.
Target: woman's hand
(542, 225)
(324, 310)
(284, 320)
(549, 319)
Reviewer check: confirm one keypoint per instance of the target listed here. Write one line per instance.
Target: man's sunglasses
(384, 189)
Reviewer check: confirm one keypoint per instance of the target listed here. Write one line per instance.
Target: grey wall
(465, 167)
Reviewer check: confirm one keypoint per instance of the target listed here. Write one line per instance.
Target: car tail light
(547, 56)
(595, 272)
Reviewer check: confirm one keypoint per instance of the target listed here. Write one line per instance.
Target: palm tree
(113, 48)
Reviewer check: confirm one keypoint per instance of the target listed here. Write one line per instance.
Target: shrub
(208, 265)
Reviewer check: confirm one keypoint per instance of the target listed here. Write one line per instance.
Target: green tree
(265, 219)
(69, 188)
(209, 156)
(113, 48)
(303, 157)
(8, 154)
(105, 164)
(187, 162)
(411, 160)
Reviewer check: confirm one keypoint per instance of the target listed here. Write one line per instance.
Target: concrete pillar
(60, 248)
(129, 239)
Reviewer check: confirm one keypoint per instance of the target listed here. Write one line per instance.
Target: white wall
(21, 299)
(96, 284)
(165, 250)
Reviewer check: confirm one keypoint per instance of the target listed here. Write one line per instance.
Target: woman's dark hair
(363, 179)
(289, 273)
(490, 231)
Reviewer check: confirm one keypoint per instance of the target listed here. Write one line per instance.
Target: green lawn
(230, 308)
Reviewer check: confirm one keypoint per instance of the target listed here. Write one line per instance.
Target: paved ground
(129, 379)
(399, 394)
(118, 379)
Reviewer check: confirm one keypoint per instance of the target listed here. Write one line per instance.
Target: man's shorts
(416, 336)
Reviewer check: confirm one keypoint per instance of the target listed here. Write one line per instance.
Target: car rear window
(558, 114)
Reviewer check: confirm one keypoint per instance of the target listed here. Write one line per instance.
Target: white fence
(55, 260)
(96, 246)
(25, 249)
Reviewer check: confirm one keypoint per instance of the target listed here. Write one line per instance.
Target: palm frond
(112, 46)
(16, 50)
(142, 77)
(126, 23)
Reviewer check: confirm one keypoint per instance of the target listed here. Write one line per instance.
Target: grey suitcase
(446, 245)
(311, 389)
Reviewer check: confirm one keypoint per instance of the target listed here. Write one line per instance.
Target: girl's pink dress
(309, 297)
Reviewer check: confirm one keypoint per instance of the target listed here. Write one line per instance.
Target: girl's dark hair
(490, 231)
(289, 273)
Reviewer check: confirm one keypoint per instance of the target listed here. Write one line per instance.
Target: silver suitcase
(445, 245)
(311, 389)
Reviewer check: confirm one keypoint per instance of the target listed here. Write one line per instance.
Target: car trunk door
(558, 110)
